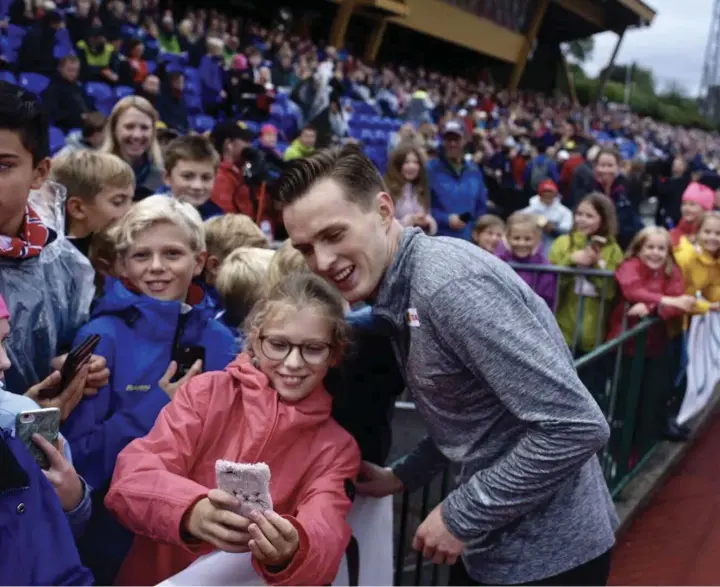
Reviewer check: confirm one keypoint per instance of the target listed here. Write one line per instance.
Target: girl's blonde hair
(287, 260)
(228, 232)
(111, 145)
(639, 240)
(606, 210)
(242, 281)
(299, 291)
(156, 210)
(487, 221)
(522, 218)
(712, 214)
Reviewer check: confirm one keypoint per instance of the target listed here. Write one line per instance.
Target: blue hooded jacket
(456, 193)
(137, 335)
(36, 543)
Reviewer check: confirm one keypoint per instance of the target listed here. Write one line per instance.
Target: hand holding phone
(67, 399)
(46, 423)
(249, 483)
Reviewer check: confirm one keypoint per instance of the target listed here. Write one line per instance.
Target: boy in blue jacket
(154, 328)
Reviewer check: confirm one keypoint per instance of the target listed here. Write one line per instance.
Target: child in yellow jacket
(700, 264)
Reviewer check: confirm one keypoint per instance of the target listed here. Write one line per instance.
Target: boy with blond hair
(155, 334)
(100, 189)
(191, 164)
(242, 281)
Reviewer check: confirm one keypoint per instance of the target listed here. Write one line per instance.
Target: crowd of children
(212, 345)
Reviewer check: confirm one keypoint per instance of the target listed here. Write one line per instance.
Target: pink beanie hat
(239, 62)
(700, 194)
(4, 314)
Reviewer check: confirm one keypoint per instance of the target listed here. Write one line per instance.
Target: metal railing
(636, 392)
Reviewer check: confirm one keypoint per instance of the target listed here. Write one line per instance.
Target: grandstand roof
(567, 20)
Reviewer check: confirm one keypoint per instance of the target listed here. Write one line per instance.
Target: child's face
(654, 252)
(691, 211)
(269, 139)
(18, 176)
(411, 167)
(192, 181)
(294, 371)
(4, 359)
(709, 236)
(587, 219)
(134, 133)
(489, 238)
(547, 196)
(161, 264)
(606, 168)
(110, 204)
(523, 239)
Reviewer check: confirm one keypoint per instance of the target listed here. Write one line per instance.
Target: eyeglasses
(278, 349)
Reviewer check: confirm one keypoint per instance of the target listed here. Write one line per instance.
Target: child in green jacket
(591, 244)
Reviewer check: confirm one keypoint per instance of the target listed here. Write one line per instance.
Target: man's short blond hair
(287, 260)
(85, 173)
(242, 281)
(160, 209)
(226, 233)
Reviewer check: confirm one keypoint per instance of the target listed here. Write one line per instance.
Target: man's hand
(61, 474)
(455, 223)
(68, 398)
(274, 539)
(377, 481)
(210, 520)
(434, 540)
(98, 373)
(166, 382)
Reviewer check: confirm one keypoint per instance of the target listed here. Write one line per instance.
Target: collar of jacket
(394, 293)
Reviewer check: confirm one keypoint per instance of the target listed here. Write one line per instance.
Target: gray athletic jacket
(494, 381)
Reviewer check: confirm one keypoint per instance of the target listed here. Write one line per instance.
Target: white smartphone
(249, 483)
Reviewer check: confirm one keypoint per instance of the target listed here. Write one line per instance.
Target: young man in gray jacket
(490, 374)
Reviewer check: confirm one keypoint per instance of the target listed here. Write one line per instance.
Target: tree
(581, 49)
(643, 79)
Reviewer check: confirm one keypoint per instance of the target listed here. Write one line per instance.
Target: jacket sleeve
(611, 257)
(633, 288)
(223, 192)
(320, 519)
(546, 288)
(419, 466)
(675, 287)
(561, 251)
(566, 222)
(514, 357)
(96, 433)
(150, 491)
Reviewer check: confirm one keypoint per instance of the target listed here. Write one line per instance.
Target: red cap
(4, 314)
(268, 129)
(547, 185)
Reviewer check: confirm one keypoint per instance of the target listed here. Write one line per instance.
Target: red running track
(676, 541)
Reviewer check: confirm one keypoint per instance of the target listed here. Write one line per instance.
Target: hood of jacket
(537, 257)
(153, 319)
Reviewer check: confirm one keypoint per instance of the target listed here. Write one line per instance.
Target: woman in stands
(407, 183)
(131, 135)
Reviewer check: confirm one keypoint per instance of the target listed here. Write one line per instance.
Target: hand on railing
(435, 541)
(378, 481)
(685, 303)
(639, 310)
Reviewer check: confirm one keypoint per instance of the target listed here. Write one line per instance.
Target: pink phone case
(249, 483)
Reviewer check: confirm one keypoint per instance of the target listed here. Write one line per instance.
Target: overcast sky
(673, 46)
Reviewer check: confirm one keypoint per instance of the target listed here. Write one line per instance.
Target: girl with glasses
(268, 406)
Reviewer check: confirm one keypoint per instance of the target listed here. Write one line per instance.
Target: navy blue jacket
(456, 193)
(36, 543)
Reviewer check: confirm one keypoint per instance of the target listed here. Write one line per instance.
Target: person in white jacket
(555, 218)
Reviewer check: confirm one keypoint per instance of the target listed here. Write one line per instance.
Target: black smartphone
(466, 217)
(185, 358)
(75, 360)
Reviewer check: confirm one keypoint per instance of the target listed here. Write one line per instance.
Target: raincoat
(159, 478)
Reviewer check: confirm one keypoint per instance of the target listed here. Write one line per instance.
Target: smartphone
(76, 359)
(46, 423)
(249, 483)
(185, 358)
(466, 217)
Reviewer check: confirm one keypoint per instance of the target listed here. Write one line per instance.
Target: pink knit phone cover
(249, 483)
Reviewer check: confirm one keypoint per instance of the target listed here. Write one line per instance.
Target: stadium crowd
(186, 147)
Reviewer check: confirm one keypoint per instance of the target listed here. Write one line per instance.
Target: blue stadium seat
(179, 60)
(99, 91)
(152, 67)
(191, 73)
(122, 91)
(15, 35)
(192, 86)
(57, 139)
(34, 82)
(202, 123)
(8, 76)
(128, 31)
